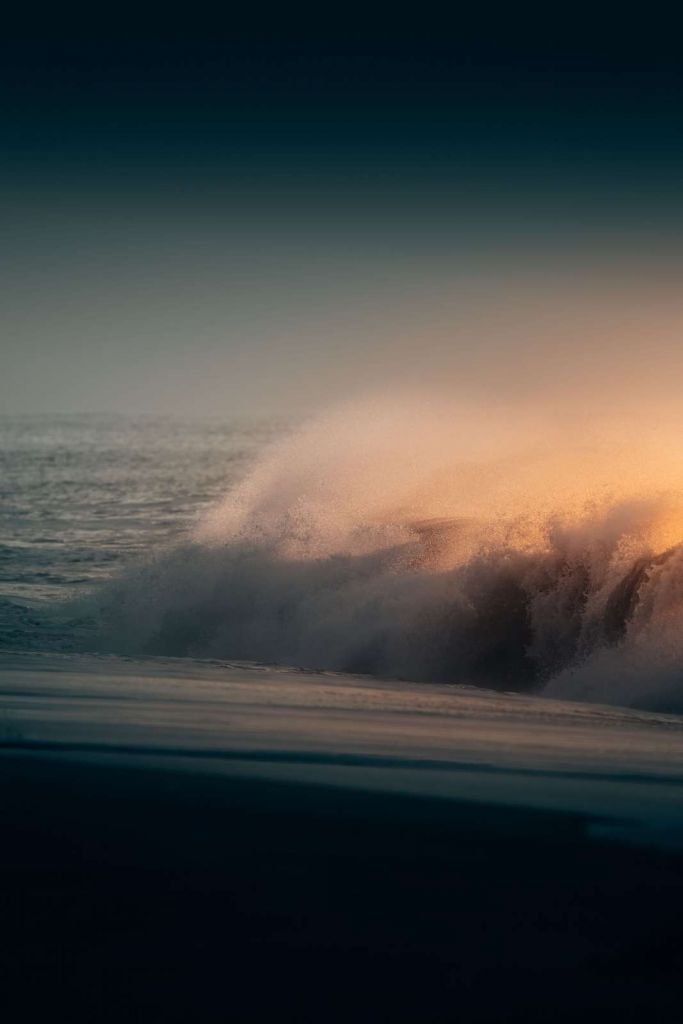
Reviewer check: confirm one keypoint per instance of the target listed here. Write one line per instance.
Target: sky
(266, 214)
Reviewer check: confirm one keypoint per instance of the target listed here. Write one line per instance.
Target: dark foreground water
(184, 840)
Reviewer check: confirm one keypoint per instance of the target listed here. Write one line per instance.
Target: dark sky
(344, 89)
(251, 200)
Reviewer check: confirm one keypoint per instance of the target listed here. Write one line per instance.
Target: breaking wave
(421, 543)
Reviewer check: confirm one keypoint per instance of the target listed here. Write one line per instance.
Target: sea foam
(412, 540)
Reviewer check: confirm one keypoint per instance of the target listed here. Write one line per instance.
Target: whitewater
(398, 539)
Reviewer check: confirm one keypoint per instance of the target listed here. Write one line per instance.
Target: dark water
(185, 839)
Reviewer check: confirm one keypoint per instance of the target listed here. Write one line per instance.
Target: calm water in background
(80, 496)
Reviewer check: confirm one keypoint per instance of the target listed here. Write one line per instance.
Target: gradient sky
(255, 217)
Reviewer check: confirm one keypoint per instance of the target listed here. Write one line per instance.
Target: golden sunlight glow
(361, 478)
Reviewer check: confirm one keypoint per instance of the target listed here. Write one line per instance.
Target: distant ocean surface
(81, 496)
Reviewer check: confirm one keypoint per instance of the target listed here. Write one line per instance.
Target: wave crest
(433, 546)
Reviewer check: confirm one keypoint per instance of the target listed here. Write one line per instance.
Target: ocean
(83, 496)
(275, 743)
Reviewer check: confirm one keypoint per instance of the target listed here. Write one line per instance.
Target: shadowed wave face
(434, 545)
